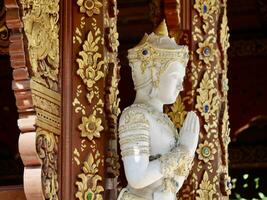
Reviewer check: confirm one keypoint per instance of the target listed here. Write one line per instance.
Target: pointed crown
(157, 48)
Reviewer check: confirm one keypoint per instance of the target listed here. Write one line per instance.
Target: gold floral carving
(47, 148)
(177, 112)
(206, 151)
(208, 101)
(206, 9)
(88, 187)
(90, 64)
(40, 19)
(90, 7)
(206, 50)
(208, 93)
(91, 127)
(91, 69)
(207, 188)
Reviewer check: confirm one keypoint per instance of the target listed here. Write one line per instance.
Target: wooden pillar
(34, 57)
(65, 71)
(202, 25)
(90, 106)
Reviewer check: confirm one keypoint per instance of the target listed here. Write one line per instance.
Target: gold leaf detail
(206, 189)
(113, 37)
(224, 37)
(88, 186)
(91, 127)
(90, 64)
(208, 100)
(40, 19)
(206, 151)
(177, 112)
(90, 7)
(47, 148)
(206, 50)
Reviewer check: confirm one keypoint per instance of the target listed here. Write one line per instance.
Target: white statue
(156, 159)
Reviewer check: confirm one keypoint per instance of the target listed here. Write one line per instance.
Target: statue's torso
(163, 136)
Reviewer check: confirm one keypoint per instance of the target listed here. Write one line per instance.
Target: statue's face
(171, 82)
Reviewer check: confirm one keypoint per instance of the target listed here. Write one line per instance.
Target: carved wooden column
(202, 25)
(90, 105)
(34, 56)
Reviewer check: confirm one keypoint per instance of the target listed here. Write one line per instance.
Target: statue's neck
(152, 102)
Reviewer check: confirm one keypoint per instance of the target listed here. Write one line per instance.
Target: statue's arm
(134, 138)
(140, 172)
(188, 140)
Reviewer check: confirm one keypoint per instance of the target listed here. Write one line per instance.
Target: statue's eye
(145, 52)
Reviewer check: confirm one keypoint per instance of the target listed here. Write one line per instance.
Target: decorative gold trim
(90, 64)
(177, 112)
(90, 7)
(40, 19)
(207, 188)
(91, 127)
(88, 187)
(46, 93)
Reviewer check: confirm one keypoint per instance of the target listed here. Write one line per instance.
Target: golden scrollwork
(90, 64)
(47, 148)
(177, 112)
(90, 7)
(91, 127)
(88, 186)
(41, 26)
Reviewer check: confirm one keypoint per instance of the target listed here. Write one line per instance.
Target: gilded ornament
(90, 64)
(40, 19)
(177, 112)
(47, 148)
(113, 37)
(224, 37)
(207, 100)
(91, 127)
(90, 7)
(88, 186)
(226, 184)
(206, 151)
(207, 188)
(206, 8)
(206, 50)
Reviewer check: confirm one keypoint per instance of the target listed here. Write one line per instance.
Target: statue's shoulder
(134, 114)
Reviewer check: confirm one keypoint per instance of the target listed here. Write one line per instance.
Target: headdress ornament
(156, 51)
